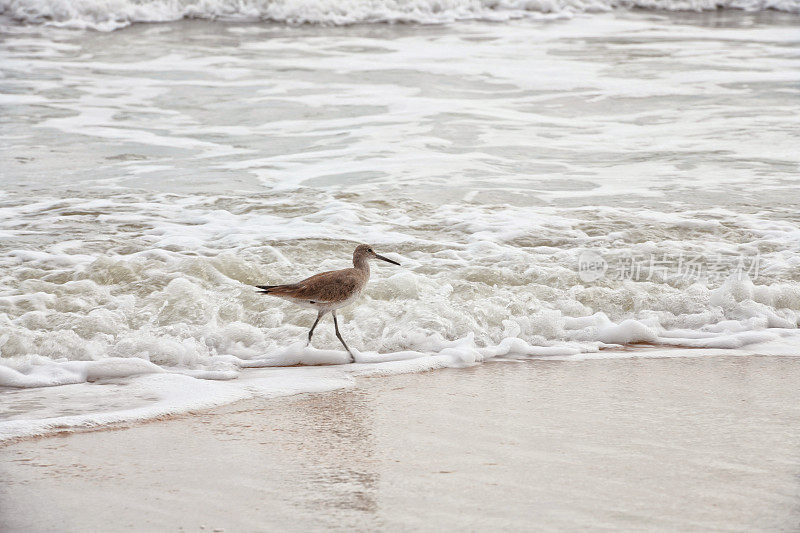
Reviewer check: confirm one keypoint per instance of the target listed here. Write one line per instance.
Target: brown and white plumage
(328, 291)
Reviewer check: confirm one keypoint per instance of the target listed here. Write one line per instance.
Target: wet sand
(681, 444)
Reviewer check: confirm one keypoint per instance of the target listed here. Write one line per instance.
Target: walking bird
(328, 291)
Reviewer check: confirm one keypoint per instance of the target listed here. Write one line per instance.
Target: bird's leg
(311, 332)
(339, 335)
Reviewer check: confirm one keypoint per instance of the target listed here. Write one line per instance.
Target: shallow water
(153, 174)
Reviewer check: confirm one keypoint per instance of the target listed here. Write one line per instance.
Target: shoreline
(119, 403)
(126, 401)
(664, 443)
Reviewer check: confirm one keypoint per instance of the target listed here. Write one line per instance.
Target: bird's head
(366, 252)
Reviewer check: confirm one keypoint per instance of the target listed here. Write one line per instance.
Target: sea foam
(177, 305)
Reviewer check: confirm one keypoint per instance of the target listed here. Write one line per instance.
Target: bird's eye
(369, 250)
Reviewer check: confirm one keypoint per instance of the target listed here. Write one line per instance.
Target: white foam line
(180, 393)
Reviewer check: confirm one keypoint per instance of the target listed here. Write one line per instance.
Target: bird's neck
(362, 264)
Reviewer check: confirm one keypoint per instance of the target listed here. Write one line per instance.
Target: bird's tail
(272, 289)
(266, 289)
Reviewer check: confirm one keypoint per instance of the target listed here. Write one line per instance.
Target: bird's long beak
(387, 260)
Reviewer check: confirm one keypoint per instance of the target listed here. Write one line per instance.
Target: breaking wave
(107, 15)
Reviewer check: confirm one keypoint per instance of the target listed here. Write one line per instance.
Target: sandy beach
(663, 444)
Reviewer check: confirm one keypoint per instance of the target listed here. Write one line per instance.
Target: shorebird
(328, 291)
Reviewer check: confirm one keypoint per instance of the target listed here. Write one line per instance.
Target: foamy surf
(177, 308)
(106, 16)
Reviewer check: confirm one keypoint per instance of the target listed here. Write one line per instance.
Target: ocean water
(561, 180)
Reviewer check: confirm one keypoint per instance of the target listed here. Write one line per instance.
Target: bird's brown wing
(332, 286)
